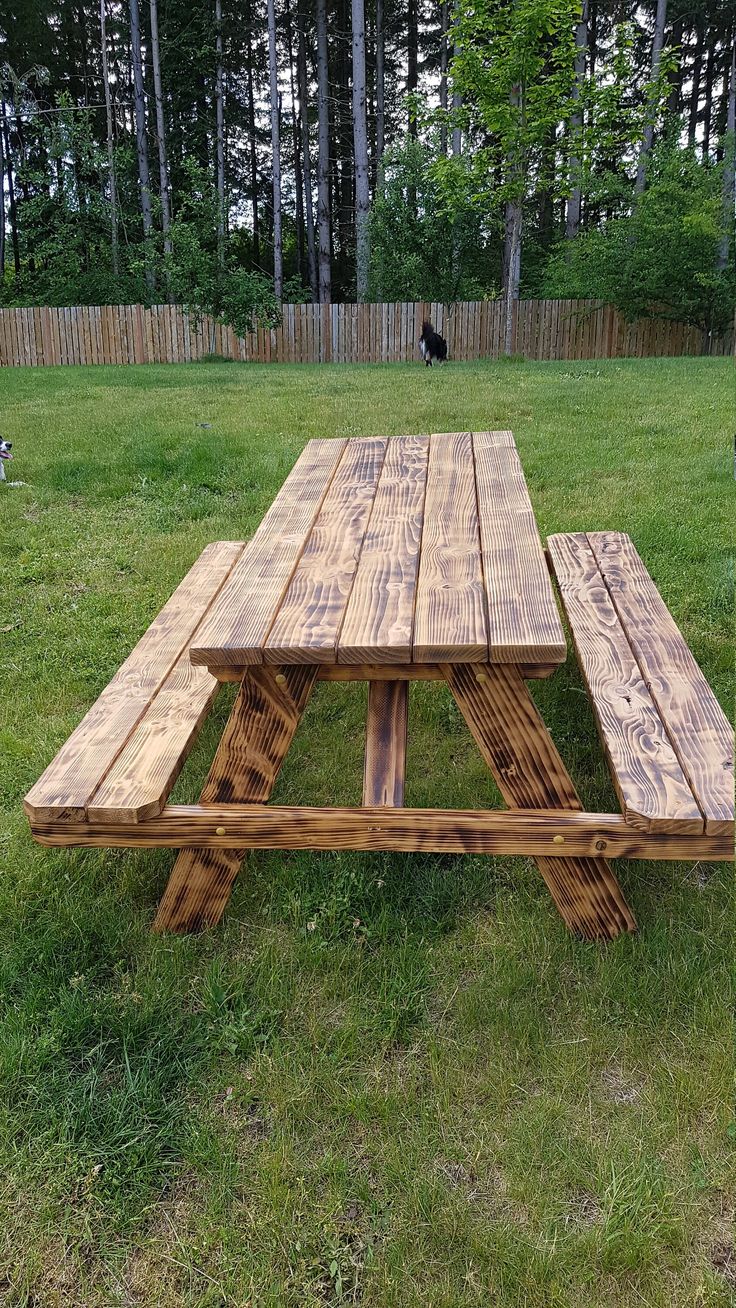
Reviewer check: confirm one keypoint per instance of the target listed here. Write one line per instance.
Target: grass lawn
(385, 1080)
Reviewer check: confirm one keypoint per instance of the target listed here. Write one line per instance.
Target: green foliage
(515, 67)
(427, 230)
(659, 260)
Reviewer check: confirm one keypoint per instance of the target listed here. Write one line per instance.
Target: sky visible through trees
(231, 156)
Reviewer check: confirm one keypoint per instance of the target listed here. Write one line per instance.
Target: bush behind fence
(342, 333)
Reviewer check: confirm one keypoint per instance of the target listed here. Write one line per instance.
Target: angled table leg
(254, 744)
(530, 773)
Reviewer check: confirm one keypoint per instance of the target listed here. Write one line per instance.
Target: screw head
(601, 844)
(481, 676)
(558, 840)
(220, 831)
(280, 679)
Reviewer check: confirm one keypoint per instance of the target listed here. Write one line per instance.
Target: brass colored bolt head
(558, 840)
(220, 831)
(280, 679)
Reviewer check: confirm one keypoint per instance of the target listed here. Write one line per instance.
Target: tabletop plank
(449, 617)
(697, 726)
(309, 618)
(649, 781)
(523, 622)
(380, 612)
(65, 788)
(236, 629)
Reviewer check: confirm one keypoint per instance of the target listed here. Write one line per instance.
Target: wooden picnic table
(390, 560)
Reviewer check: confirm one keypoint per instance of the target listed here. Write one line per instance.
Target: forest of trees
(234, 155)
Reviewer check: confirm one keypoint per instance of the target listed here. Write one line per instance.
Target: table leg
(385, 744)
(530, 773)
(254, 744)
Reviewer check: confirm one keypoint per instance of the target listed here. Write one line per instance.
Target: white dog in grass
(5, 456)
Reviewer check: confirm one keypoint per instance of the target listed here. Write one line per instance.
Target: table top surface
(402, 549)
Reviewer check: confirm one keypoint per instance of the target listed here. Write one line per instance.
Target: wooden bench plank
(700, 733)
(449, 617)
(239, 623)
(523, 622)
(65, 788)
(649, 781)
(380, 612)
(308, 621)
(144, 773)
(385, 744)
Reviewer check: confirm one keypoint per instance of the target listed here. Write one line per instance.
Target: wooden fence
(341, 333)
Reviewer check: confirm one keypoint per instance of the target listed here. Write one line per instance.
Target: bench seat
(123, 759)
(668, 742)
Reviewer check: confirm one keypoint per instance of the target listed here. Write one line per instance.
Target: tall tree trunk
(443, 75)
(360, 140)
(163, 167)
(380, 93)
(412, 52)
(323, 167)
(144, 179)
(675, 75)
(708, 104)
(112, 180)
(2, 199)
(572, 219)
(13, 208)
(219, 136)
(513, 270)
(692, 126)
(278, 271)
(253, 150)
(301, 45)
(729, 166)
(457, 99)
(514, 214)
(296, 150)
(648, 137)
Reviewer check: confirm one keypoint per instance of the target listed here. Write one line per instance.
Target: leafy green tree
(659, 260)
(427, 236)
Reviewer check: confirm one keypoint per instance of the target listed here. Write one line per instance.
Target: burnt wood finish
(649, 781)
(527, 832)
(255, 743)
(388, 560)
(700, 733)
(66, 789)
(238, 626)
(385, 745)
(530, 773)
(523, 622)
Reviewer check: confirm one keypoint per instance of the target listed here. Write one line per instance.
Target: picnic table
(388, 560)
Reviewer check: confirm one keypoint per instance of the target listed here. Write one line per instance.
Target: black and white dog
(5, 456)
(432, 346)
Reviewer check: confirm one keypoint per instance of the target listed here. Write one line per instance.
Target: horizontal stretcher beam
(527, 832)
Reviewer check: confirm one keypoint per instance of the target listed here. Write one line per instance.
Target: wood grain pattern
(385, 744)
(649, 781)
(380, 612)
(530, 773)
(449, 616)
(700, 733)
(239, 623)
(255, 742)
(527, 832)
(145, 771)
(307, 625)
(82, 763)
(386, 672)
(523, 622)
